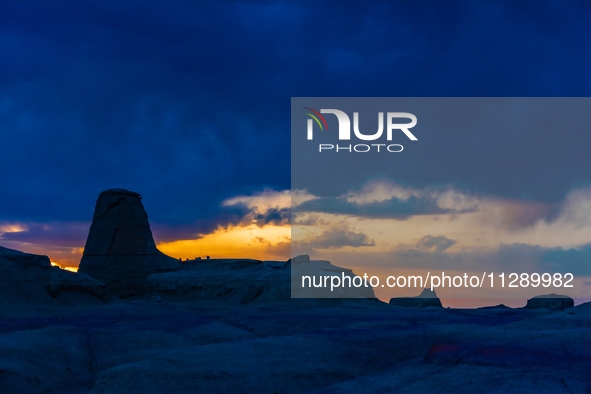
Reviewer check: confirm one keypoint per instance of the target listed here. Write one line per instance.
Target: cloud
(514, 214)
(437, 244)
(514, 257)
(336, 238)
(385, 199)
(268, 207)
(59, 234)
(187, 102)
(274, 216)
(574, 260)
(576, 207)
(393, 208)
(508, 258)
(225, 217)
(306, 219)
(263, 200)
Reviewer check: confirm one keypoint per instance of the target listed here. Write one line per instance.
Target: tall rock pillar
(120, 250)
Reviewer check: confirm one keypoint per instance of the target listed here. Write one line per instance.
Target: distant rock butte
(499, 306)
(427, 298)
(120, 250)
(550, 301)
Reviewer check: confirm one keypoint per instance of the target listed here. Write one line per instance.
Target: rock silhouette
(550, 301)
(427, 298)
(231, 325)
(120, 250)
(31, 279)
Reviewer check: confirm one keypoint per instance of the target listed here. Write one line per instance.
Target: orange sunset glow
(264, 243)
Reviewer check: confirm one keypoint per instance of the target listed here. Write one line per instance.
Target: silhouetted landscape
(286, 196)
(134, 320)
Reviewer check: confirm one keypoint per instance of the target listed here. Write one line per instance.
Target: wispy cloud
(438, 244)
(393, 208)
(334, 238)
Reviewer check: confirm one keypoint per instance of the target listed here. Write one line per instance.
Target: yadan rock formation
(31, 279)
(121, 253)
(550, 301)
(427, 298)
(238, 329)
(120, 250)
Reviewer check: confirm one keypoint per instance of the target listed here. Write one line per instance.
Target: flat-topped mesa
(550, 301)
(120, 250)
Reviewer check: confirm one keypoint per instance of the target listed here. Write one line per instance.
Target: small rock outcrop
(499, 306)
(30, 278)
(120, 250)
(550, 301)
(427, 298)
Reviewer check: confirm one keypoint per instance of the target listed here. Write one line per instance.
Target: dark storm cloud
(253, 215)
(393, 208)
(187, 103)
(153, 99)
(274, 216)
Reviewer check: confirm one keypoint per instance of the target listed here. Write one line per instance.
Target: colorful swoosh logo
(317, 117)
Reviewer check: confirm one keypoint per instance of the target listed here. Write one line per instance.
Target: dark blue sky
(188, 102)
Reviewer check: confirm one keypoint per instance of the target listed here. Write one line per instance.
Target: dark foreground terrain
(145, 346)
(134, 320)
